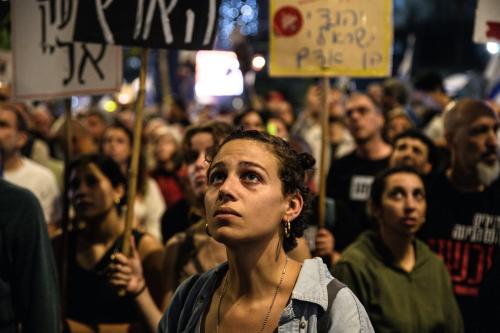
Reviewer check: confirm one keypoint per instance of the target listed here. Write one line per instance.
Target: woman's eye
(216, 177)
(250, 177)
(419, 195)
(396, 195)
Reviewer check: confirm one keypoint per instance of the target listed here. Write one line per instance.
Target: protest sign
(174, 24)
(331, 38)
(46, 61)
(487, 25)
(5, 67)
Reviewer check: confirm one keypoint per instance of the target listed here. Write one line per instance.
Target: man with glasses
(349, 178)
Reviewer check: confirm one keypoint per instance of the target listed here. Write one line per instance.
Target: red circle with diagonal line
(287, 21)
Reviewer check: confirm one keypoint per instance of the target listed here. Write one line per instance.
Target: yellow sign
(331, 38)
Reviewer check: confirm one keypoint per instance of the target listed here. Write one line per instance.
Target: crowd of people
(226, 236)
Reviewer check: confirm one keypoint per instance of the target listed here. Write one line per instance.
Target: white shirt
(42, 182)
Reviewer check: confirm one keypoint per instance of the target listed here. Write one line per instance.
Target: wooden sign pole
(65, 222)
(134, 167)
(325, 91)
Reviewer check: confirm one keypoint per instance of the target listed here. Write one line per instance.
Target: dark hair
(219, 130)
(142, 172)
(292, 168)
(106, 165)
(418, 135)
(430, 81)
(353, 94)
(21, 124)
(380, 182)
(397, 89)
(96, 113)
(264, 116)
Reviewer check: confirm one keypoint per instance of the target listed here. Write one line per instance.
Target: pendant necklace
(268, 314)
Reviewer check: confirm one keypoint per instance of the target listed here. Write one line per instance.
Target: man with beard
(463, 216)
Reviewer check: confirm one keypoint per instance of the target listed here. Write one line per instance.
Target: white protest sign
(5, 67)
(331, 38)
(47, 63)
(487, 25)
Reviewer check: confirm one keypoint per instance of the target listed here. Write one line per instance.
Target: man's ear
(295, 205)
(427, 167)
(22, 138)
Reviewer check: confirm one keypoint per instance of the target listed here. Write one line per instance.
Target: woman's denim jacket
(308, 303)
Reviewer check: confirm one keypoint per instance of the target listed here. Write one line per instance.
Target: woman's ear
(295, 205)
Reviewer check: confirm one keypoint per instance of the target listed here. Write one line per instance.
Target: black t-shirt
(349, 183)
(464, 229)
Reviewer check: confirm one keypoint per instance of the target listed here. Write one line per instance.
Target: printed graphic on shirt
(470, 251)
(360, 187)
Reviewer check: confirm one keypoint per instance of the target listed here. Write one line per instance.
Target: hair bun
(306, 161)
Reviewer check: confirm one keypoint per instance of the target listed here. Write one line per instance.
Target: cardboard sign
(46, 61)
(331, 38)
(487, 25)
(186, 24)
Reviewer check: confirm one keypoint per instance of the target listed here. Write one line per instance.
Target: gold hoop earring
(206, 230)
(287, 228)
(117, 201)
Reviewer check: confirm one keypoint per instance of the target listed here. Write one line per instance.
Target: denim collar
(311, 283)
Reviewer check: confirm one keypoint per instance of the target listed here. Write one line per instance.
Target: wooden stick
(65, 222)
(325, 91)
(132, 178)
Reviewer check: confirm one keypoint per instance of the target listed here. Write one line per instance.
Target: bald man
(463, 214)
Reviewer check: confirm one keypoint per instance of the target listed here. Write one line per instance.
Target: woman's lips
(226, 211)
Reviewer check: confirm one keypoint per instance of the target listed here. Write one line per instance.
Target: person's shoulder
(362, 249)
(347, 159)
(425, 256)
(37, 168)
(148, 244)
(348, 314)
(16, 201)
(15, 193)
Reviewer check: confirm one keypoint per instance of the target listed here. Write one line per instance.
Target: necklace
(266, 319)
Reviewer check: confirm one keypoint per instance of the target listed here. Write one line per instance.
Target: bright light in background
(258, 62)
(110, 106)
(218, 74)
(492, 48)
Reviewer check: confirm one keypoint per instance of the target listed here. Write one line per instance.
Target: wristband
(134, 295)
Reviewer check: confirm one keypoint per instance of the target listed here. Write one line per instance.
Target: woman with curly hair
(255, 204)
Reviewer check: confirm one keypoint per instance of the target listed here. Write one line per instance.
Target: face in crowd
(364, 120)
(472, 138)
(116, 143)
(252, 121)
(400, 208)
(12, 138)
(165, 147)
(197, 164)
(242, 181)
(96, 187)
(411, 152)
(256, 187)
